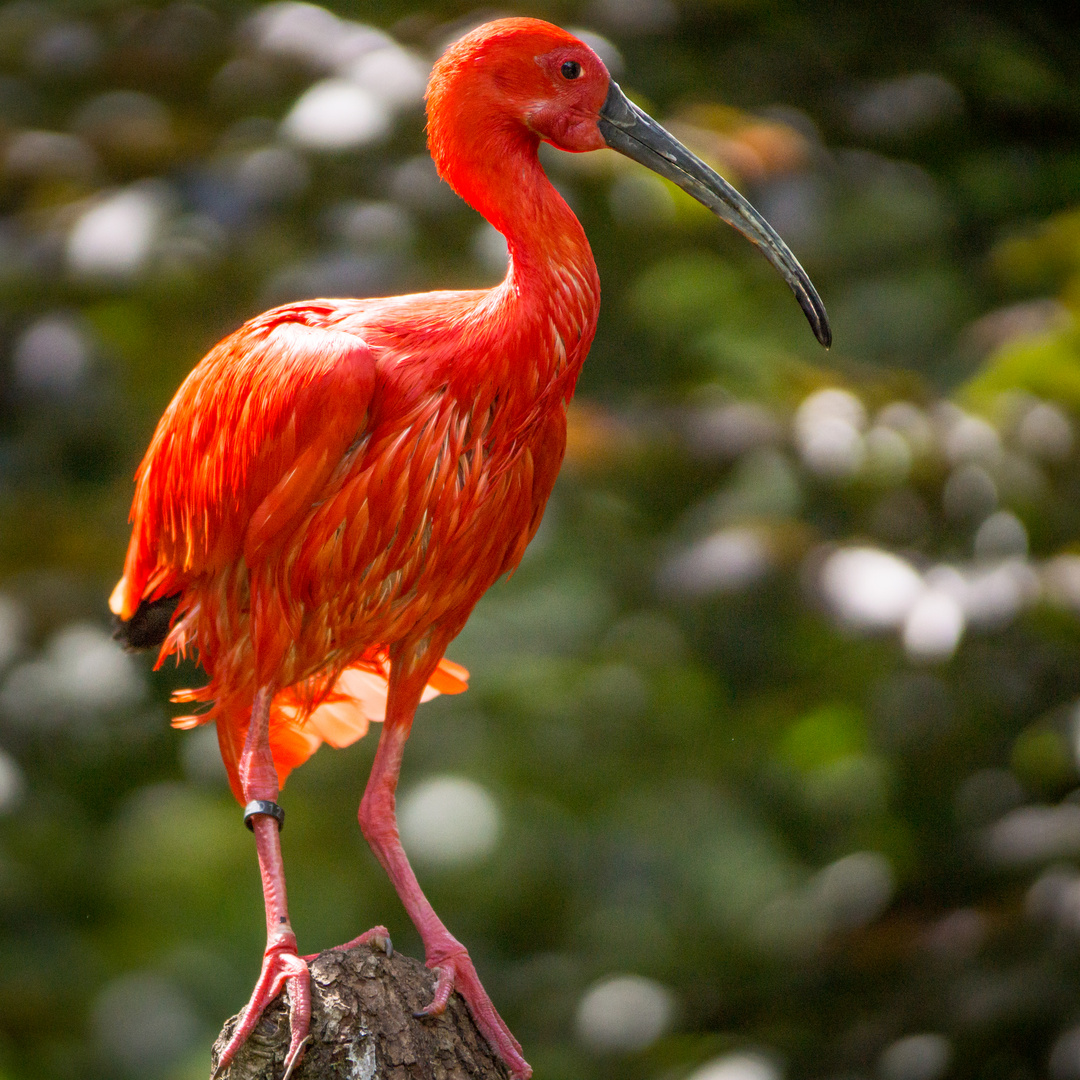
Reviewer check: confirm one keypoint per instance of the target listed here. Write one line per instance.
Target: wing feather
(244, 450)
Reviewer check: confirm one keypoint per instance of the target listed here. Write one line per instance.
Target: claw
(444, 987)
(378, 936)
(281, 968)
(456, 972)
(294, 1056)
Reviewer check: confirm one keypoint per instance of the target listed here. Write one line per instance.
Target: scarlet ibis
(337, 483)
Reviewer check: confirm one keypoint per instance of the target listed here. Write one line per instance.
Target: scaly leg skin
(378, 936)
(281, 967)
(446, 956)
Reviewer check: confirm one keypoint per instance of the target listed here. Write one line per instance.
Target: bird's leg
(445, 955)
(378, 936)
(281, 966)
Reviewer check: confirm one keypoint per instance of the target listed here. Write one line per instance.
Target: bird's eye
(571, 69)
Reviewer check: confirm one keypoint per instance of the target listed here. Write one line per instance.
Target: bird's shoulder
(246, 444)
(284, 380)
(283, 347)
(395, 333)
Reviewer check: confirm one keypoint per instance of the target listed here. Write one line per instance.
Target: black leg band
(264, 806)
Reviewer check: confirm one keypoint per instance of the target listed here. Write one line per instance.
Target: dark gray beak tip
(634, 133)
(816, 315)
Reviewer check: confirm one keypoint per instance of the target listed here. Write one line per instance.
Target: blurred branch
(362, 1025)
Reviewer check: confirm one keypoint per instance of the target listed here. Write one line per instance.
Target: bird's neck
(551, 280)
(551, 276)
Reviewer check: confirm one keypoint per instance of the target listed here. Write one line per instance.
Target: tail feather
(148, 626)
(340, 719)
(359, 699)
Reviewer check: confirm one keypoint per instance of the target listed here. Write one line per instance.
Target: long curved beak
(634, 133)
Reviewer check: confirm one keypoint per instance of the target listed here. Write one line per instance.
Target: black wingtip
(148, 627)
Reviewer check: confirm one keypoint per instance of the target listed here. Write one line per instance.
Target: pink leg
(444, 953)
(378, 936)
(281, 966)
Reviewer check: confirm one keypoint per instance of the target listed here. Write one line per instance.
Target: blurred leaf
(1047, 366)
(685, 295)
(823, 737)
(1043, 761)
(1043, 260)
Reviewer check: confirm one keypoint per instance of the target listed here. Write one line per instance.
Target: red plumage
(340, 477)
(336, 484)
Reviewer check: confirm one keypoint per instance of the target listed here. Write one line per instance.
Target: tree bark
(363, 1028)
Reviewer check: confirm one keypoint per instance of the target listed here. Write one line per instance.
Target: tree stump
(363, 1028)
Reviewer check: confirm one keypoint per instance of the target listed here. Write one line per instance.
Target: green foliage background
(797, 829)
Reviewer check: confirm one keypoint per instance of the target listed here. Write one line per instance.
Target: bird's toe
(281, 969)
(456, 972)
(378, 937)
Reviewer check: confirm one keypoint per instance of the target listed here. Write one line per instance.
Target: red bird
(336, 484)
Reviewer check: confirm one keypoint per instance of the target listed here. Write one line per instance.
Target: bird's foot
(281, 968)
(378, 936)
(454, 971)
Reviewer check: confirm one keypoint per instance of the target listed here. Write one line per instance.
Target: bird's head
(513, 83)
(524, 74)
